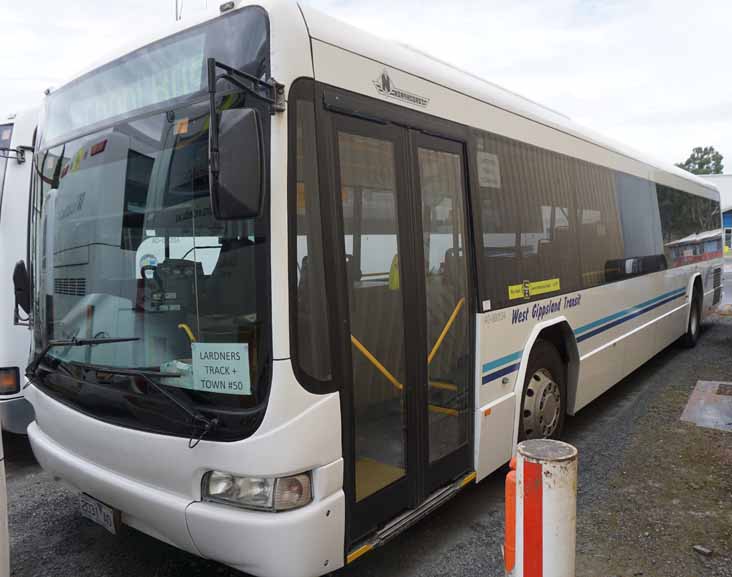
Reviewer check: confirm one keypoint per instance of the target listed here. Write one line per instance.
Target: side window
(600, 238)
(309, 314)
(528, 221)
(690, 225)
(641, 227)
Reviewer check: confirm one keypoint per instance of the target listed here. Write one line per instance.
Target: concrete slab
(710, 405)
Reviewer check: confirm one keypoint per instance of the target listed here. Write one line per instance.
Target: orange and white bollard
(541, 510)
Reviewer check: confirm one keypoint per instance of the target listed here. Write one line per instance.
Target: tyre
(691, 336)
(544, 396)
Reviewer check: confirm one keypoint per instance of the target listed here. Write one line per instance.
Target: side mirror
(236, 174)
(21, 282)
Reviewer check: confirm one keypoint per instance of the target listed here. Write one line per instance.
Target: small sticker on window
(221, 368)
(5, 134)
(528, 289)
(181, 127)
(489, 170)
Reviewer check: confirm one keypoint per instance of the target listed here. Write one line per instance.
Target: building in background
(724, 183)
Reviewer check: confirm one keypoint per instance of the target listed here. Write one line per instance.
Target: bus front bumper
(302, 543)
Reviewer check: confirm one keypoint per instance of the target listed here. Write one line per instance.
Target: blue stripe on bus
(502, 361)
(500, 373)
(638, 313)
(624, 312)
(612, 320)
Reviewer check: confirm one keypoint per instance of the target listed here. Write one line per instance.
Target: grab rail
(445, 330)
(372, 359)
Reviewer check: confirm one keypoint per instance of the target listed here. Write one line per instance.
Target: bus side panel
(600, 369)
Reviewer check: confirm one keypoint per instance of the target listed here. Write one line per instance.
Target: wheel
(543, 399)
(691, 336)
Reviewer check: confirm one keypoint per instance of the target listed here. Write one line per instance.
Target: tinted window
(528, 220)
(600, 239)
(640, 229)
(691, 226)
(639, 218)
(310, 316)
(551, 224)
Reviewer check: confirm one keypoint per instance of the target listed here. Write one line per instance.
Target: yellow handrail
(392, 379)
(444, 332)
(444, 410)
(372, 359)
(444, 386)
(188, 331)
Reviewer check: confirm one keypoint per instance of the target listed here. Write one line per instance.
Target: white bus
(278, 339)
(16, 154)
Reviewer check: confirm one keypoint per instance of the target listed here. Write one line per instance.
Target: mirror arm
(276, 96)
(17, 153)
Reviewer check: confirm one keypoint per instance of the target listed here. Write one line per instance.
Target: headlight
(9, 381)
(260, 493)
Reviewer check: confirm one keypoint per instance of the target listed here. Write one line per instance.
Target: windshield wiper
(32, 369)
(199, 419)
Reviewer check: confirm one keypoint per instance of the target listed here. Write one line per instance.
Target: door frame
(437, 474)
(333, 103)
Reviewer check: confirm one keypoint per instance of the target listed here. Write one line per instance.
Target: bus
(294, 287)
(16, 151)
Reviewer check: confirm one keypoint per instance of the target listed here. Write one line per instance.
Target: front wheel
(543, 400)
(691, 336)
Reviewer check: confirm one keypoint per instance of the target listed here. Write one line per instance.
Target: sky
(653, 74)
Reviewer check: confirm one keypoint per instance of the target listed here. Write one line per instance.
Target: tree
(703, 161)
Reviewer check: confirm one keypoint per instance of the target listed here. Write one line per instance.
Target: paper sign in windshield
(221, 368)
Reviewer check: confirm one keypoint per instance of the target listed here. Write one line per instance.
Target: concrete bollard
(540, 540)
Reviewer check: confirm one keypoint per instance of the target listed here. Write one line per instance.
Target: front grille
(70, 286)
(717, 283)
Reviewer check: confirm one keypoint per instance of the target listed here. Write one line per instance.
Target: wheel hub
(542, 406)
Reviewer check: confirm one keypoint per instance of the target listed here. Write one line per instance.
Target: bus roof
(411, 61)
(419, 63)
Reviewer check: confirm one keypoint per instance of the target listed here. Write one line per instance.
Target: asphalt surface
(463, 538)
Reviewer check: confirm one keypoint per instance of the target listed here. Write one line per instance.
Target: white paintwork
(15, 340)
(351, 58)
(156, 480)
(493, 447)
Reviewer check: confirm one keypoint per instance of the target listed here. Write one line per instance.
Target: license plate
(99, 513)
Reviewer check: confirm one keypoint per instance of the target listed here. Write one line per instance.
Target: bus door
(401, 224)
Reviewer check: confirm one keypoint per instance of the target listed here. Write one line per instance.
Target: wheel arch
(694, 281)
(559, 332)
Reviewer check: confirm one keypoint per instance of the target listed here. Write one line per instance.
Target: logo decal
(385, 86)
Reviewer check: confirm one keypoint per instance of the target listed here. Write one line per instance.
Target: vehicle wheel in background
(691, 337)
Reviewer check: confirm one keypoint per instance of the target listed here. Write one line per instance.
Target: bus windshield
(125, 244)
(129, 248)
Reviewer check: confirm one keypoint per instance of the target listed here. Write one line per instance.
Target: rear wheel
(543, 400)
(691, 337)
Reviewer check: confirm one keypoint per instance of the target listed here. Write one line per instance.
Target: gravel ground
(650, 488)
